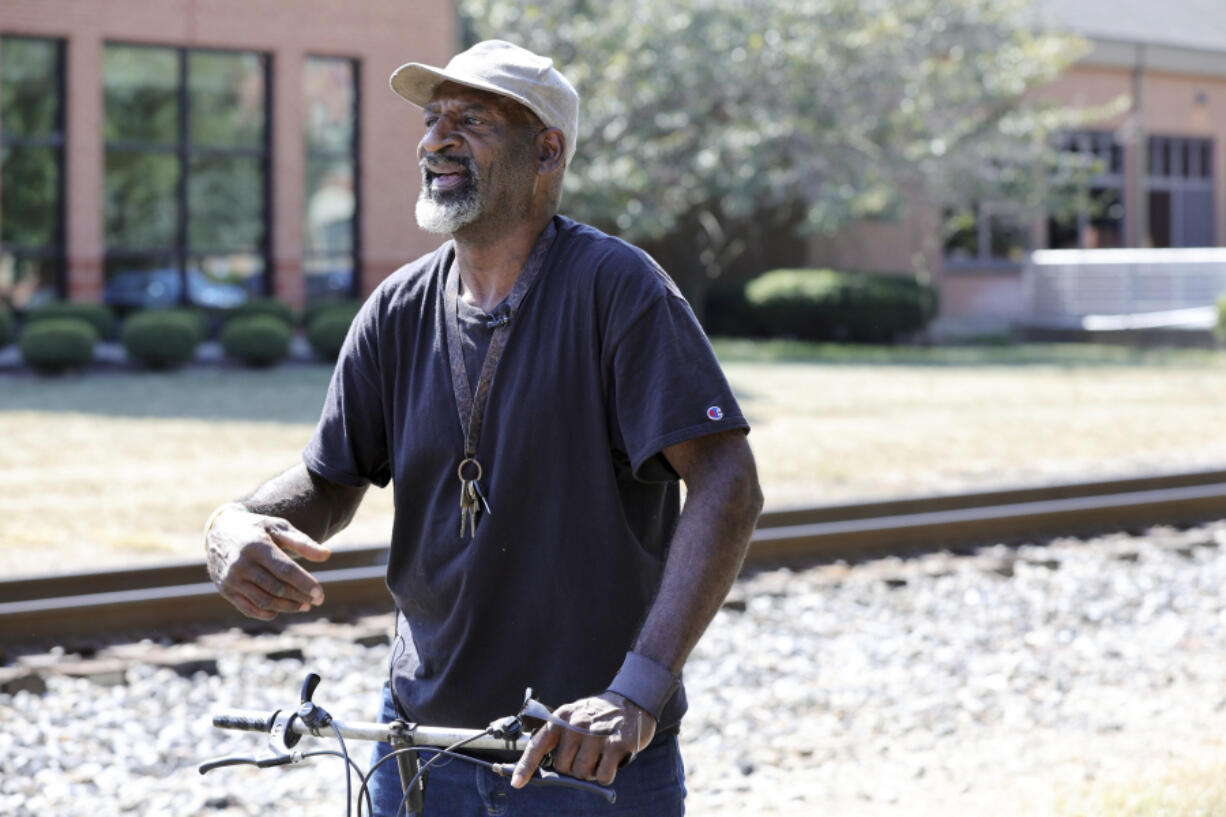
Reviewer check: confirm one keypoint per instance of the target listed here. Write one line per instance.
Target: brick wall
(380, 34)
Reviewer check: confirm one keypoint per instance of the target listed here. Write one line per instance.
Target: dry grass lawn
(825, 433)
(116, 468)
(1186, 789)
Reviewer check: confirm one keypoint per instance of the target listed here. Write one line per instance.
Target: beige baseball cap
(501, 68)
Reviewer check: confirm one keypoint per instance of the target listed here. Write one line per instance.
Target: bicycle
(285, 728)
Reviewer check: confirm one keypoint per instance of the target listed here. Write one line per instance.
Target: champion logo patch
(715, 413)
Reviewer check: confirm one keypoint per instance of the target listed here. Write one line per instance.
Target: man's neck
(488, 266)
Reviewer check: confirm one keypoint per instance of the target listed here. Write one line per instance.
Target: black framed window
(31, 170)
(186, 216)
(1098, 220)
(1180, 190)
(330, 205)
(990, 234)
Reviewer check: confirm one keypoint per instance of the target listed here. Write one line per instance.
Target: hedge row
(257, 340)
(823, 305)
(327, 326)
(162, 338)
(63, 335)
(55, 344)
(8, 326)
(100, 316)
(807, 304)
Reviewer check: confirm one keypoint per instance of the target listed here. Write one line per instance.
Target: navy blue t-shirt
(605, 367)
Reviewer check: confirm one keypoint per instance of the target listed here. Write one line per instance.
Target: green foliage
(328, 328)
(724, 108)
(269, 307)
(160, 338)
(317, 308)
(829, 305)
(99, 316)
(31, 178)
(257, 340)
(30, 104)
(8, 326)
(206, 318)
(728, 313)
(29, 97)
(1220, 329)
(56, 344)
(145, 191)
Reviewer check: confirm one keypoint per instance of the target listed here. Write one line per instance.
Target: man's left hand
(621, 730)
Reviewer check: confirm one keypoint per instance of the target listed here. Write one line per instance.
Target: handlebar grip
(245, 720)
(548, 777)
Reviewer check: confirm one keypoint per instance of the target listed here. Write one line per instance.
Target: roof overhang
(1155, 57)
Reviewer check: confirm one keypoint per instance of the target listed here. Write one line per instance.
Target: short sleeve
(667, 386)
(349, 446)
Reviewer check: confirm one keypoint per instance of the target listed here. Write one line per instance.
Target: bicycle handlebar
(439, 737)
(284, 729)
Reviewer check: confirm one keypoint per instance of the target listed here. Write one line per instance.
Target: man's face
(477, 160)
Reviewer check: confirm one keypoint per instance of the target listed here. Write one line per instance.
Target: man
(553, 380)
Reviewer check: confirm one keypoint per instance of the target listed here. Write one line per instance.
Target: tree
(700, 116)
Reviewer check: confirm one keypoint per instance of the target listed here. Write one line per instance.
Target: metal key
(469, 508)
(480, 496)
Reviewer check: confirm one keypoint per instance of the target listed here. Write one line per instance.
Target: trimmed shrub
(56, 344)
(257, 340)
(99, 316)
(8, 326)
(205, 317)
(268, 307)
(317, 308)
(829, 305)
(727, 312)
(327, 330)
(160, 338)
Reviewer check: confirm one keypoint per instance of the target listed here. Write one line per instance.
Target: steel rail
(961, 527)
(81, 607)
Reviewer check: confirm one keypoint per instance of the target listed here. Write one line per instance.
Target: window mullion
(985, 233)
(266, 165)
(184, 172)
(355, 246)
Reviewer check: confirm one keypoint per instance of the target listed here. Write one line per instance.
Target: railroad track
(114, 605)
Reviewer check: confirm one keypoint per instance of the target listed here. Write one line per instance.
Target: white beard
(447, 216)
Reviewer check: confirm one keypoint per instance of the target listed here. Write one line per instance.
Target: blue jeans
(652, 786)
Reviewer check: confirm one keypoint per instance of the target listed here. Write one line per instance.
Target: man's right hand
(248, 559)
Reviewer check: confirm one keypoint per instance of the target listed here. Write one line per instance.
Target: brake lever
(532, 708)
(262, 761)
(217, 763)
(548, 777)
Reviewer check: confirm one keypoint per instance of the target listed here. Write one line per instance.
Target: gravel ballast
(1002, 681)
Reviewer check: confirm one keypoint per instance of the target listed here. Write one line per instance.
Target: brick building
(1163, 165)
(201, 151)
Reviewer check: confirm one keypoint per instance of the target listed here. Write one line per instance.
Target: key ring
(466, 461)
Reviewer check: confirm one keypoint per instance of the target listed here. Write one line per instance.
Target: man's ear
(550, 151)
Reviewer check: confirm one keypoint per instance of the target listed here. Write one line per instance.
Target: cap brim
(417, 83)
